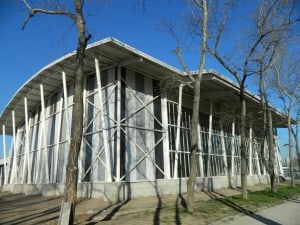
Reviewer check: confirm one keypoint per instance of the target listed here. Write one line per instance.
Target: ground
(37, 209)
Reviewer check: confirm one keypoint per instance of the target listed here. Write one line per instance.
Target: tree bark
(291, 150)
(76, 137)
(271, 167)
(194, 146)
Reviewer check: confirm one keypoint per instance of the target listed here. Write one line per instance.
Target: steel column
(177, 142)
(103, 123)
(44, 132)
(4, 153)
(209, 139)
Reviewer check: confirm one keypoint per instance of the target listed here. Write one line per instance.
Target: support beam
(118, 119)
(82, 154)
(177, 141)
(57, 141)
(223, 148)
(14, 166)
(26, 164)
(232, 172)
(103, 123)
(166, 148)
(44, 134)
(209, 139)
(4, 153)
(200, 151)
(66, 107)
(250, 150)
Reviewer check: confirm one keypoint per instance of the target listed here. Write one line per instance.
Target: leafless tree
(76, 15)
(288, 87)
(202, 11)
(269, 51)
(246, 67)
(295, 132)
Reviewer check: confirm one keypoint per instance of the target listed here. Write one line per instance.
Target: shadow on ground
(221, 198)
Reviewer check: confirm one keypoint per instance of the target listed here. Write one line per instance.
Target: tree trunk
(271, 167)
(291, 151)
(194, 145)
(243, 145)
(295, 135)
(76, 137)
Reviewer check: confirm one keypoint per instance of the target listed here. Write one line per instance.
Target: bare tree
(246, 66)
(198, 9)
(295, 132)
(202, 11)
(288, 87)
(271, 50)
(77, 16)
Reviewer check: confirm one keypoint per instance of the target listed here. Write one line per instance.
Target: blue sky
(46, 38)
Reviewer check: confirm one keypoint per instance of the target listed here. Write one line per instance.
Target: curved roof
(109, 52)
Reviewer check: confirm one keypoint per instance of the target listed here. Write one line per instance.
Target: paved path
(287, 213)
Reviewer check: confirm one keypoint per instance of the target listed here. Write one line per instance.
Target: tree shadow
(156, 218)
(115, 207)
(221, 198)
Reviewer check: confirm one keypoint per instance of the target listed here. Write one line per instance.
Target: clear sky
(46, 38)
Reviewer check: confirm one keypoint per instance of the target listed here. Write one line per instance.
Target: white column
(103, 124)
(257, 162)
(81, 163)
(4, 153)
(66, 105)
(209, 139)
(118, 119)
(278, 157)
(44, 132)
(177, 141)
(26, 164)
(14, 167)
(166, 149)
(58, 131)
(232, 147)
(223, 147)
(200, 151)
(250, 150)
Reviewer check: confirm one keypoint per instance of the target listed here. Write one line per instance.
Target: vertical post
(201, 151)
(118, 119)
(4, 153)
(103, 123)
(66, 106)
(14, 172)
(250, 150)
(82, 153)
(278, 157)
(209, 139)
(166, 149)
(233, 148)
(59, 128)
(27, 152)
(177, 142)
(44, 131)
(223, 148)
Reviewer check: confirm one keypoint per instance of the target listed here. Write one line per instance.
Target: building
(136, 134)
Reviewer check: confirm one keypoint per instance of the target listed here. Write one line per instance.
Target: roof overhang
(110, 52)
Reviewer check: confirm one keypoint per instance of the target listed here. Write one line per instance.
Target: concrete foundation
(120, 191)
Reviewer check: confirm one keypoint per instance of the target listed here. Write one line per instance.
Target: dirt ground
(37, 209)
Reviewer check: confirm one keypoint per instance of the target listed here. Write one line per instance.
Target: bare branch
(33, 11)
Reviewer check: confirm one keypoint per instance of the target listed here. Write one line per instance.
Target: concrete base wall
(120, 191)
